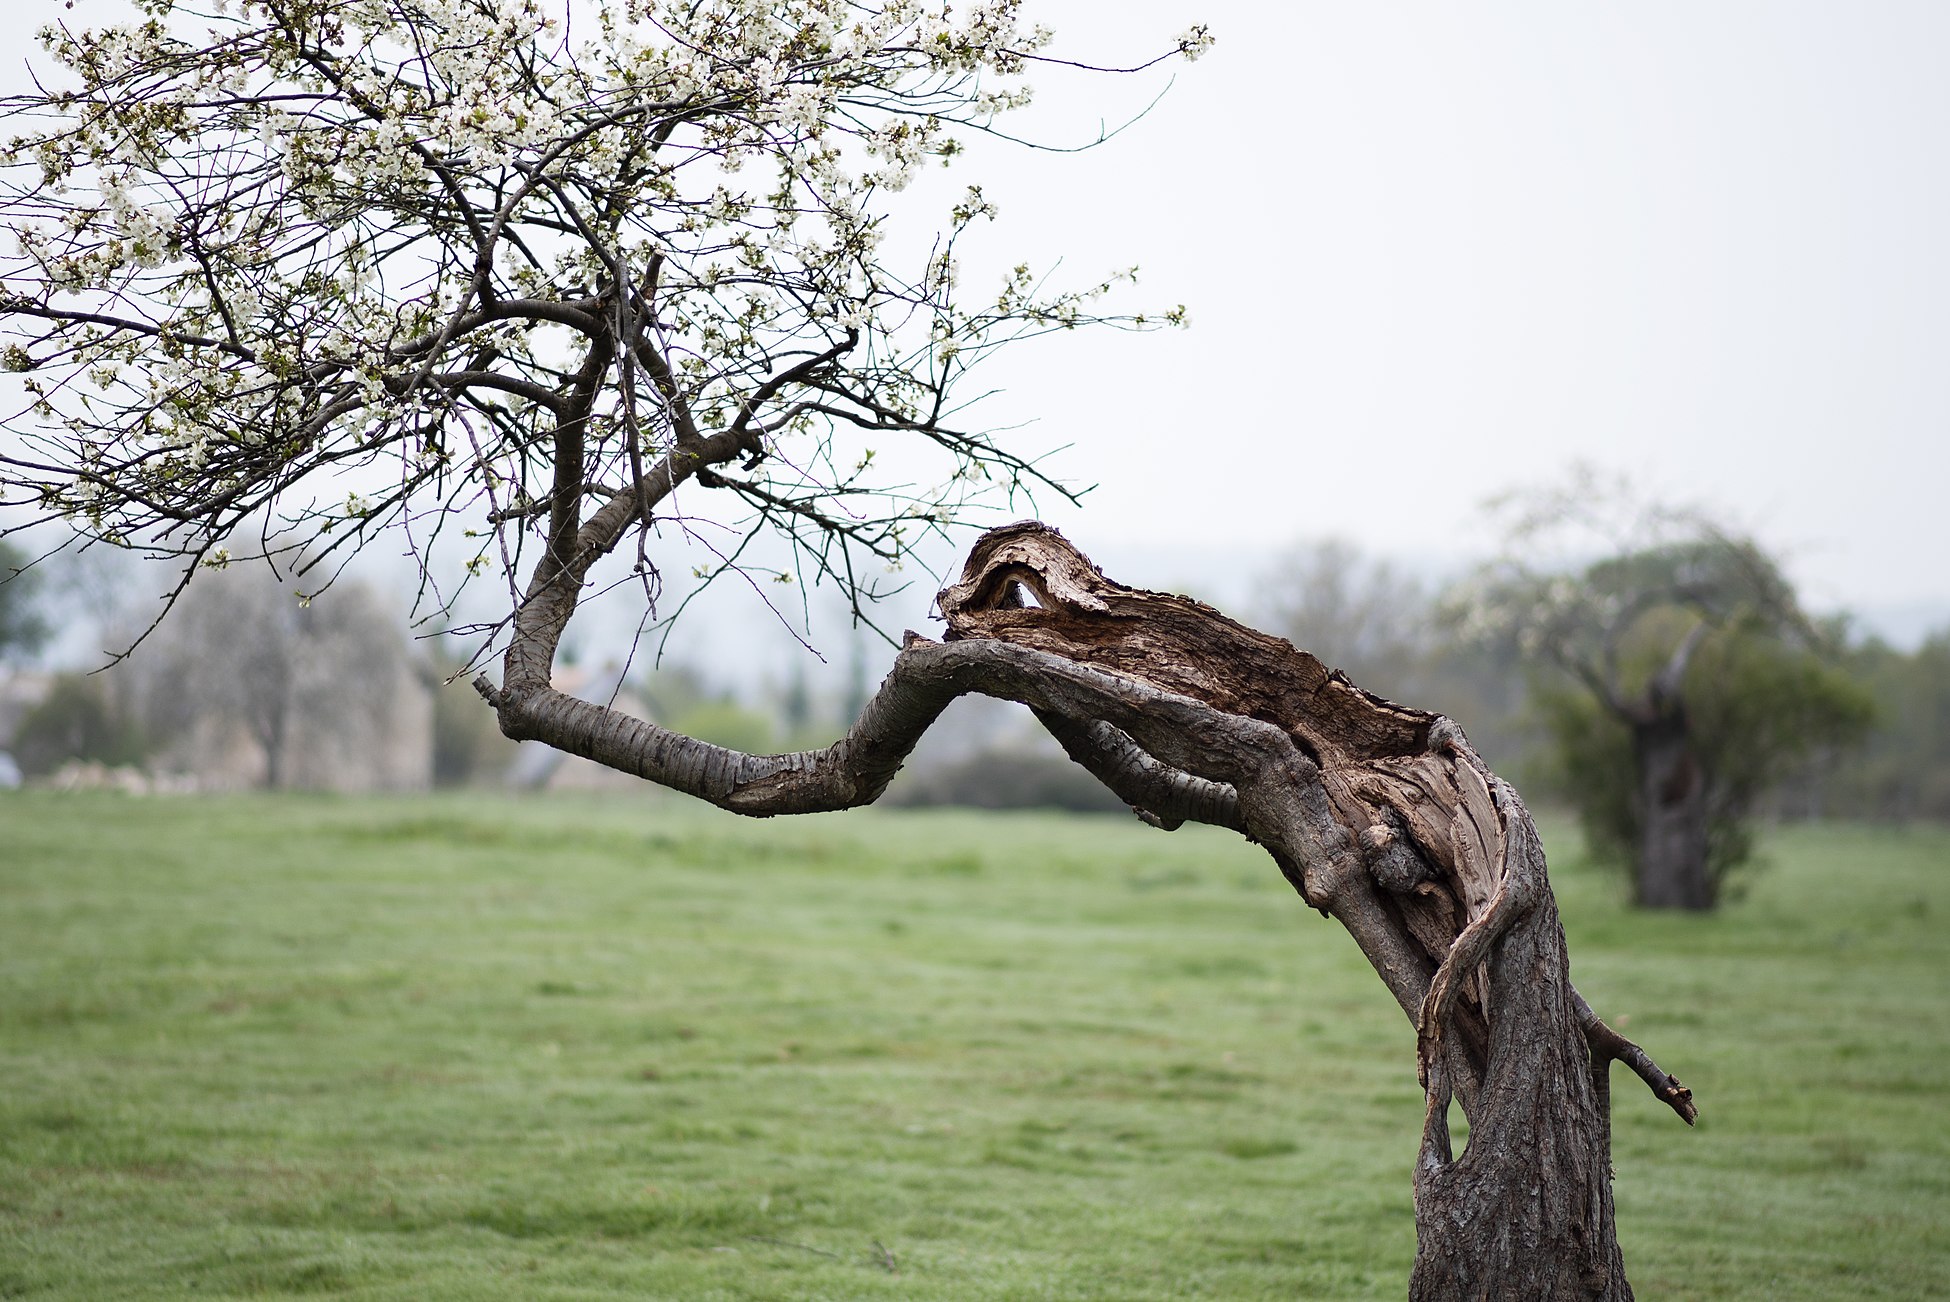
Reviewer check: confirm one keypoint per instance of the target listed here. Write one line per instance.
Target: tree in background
(537, 286)
(78, 719)
(22, 627)
(1687, 682)
(1903, 770)
(324, 694)
(1386, 630)
(1356, 613)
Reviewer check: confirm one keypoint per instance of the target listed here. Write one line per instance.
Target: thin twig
(787, 1243)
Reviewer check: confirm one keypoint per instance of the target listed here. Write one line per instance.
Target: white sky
(1437, 251)
(1433, 251)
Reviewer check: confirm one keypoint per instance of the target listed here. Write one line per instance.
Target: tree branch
(1664, 687)
(1165, 797)
(1608, 1045)
(856, 769)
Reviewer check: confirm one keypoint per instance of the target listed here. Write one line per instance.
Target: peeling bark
(1379, 815)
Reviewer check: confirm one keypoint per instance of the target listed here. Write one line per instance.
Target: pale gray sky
(1436, 251)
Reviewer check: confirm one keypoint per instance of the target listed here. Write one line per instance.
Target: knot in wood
(1392, 860)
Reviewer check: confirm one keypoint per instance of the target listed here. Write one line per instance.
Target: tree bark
(1672, 870)
(1379, 815)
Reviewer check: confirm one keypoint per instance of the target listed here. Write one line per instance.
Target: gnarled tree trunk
(1380, 816)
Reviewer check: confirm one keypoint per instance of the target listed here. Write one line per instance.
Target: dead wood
(1381, 816)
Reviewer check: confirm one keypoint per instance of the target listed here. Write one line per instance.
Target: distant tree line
(246, 686)
(245, 689)
(1823, 724)
(1902, 769)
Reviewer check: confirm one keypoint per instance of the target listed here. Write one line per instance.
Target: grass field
(480, 1048)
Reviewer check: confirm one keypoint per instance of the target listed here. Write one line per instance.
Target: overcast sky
(1437, 251)
(1433, 251)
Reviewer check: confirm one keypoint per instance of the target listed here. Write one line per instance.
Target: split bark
(1379, 815)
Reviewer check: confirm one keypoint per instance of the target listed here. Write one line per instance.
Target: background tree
(323, 693)
(78, 719)
(1359, 614)
(22, 627)
(1688, 682)
(1903, 769)
(1386, 630)
(538, 285)
(467, 746)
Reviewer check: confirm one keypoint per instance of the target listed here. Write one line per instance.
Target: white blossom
(308, 234)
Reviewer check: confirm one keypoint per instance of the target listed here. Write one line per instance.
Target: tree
(1381, 816)
(22, 627)
(526, 275)
(1903, 771)
(1360, 615)
(240, 660)
(333, 264)
(77, 720)
(1689, 682)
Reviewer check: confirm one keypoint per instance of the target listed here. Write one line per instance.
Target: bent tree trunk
(1380, 816)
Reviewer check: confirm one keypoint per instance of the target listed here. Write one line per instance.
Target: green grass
(482, 1048)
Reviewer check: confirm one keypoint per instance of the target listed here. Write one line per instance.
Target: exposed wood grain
(1380, 815)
